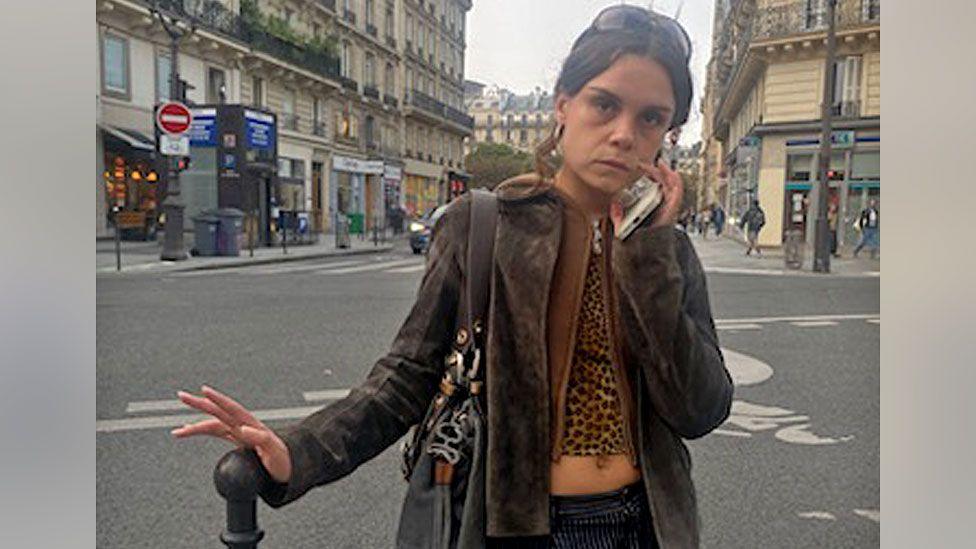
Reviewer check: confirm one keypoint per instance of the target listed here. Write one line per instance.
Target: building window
(411, 31)
(815, 16)
(115, 65)
(257, 91)
(316, 30)
(389, 80)
(216, 86)
(369, 75)
(866, 165)
(799, 167)
(346, 60)
(388, 19)
(871, 10)
(490, 121)
(423, 37)
(317, 117)
(845, 97)
(368, 8)
(164, 71)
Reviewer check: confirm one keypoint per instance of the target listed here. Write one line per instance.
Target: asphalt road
(797, 464)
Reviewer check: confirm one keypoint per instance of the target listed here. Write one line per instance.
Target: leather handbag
(443, 456)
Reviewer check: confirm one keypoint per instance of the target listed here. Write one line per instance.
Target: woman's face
(617, 118)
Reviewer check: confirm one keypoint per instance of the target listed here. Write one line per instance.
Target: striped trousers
(611, 520)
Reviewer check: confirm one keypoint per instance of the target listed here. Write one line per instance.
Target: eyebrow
(661, 108)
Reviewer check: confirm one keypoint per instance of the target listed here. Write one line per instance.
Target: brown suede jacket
(666, 337)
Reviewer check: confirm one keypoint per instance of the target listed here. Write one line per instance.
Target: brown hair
(596, 53)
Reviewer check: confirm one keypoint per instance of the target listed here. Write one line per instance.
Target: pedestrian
(581, 388)
(704, 220)
(832, 219)
(753, 221)
(718, 218)
(870, 225)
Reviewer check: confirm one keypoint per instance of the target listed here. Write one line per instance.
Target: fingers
(229, 405)
(211, 427)
(205, 405)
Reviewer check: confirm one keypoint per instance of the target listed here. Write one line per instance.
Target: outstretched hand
(232, 422)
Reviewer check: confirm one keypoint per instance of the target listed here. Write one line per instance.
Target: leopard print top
(594, 422)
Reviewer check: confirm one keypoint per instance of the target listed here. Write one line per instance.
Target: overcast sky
(520, 44)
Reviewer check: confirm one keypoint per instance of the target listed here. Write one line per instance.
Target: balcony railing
(433, 106)
(319, 129)
(390, 41)
(846, 109)
(349, 83)
(795, 18)
(371, 92)
(409, 45)
(390, 100)
(329, 4)
(349, 16)
(371, 29)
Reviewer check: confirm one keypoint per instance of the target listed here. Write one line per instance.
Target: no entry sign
(173, 117)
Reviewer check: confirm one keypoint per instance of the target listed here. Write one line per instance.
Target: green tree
(491, 163)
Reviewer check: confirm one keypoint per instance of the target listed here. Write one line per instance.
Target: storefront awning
(134, 139)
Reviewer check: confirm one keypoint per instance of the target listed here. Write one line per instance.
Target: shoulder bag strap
(481, 244)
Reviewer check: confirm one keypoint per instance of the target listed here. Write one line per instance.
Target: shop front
(786, 181)
(349, 179)
(131, 176)
(421, 187)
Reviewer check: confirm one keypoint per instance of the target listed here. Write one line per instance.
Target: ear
(561, 104)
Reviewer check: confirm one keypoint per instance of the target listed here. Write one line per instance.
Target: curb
(237, 263)
(283, 259)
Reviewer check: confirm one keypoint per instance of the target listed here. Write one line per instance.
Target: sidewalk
(726, 254)
(144, 256)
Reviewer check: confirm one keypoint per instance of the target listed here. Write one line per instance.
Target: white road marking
(739, 327)
(328, 394)
(300, 268)
(745, 370)
(797, 434)
(409, 269)
(811, 318)
(154, 406)
(206, 272)
(870, 514)
(820, 515)
(790, 427)
(737, 270)
(142, 423)
(874, 321)
(372, 267)
(814, 323)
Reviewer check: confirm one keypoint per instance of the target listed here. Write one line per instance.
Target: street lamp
(173, 206)
(821, 253)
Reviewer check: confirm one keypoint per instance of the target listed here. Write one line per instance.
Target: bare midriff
(577, 475)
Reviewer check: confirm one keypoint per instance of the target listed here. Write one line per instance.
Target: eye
(652, 118)
(603, 104)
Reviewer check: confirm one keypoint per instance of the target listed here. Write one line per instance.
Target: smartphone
(639, 201)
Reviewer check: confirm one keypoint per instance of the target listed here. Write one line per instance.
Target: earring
(558, 135)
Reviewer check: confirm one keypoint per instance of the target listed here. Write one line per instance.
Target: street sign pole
(173, 206)
(821, 244)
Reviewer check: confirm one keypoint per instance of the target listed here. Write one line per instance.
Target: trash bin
(793, 249)
(230, 234)
(205, 233)
(342, 232)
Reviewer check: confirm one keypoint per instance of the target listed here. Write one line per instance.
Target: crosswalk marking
(301, 268)
(814, 324)
(154, 406)
(372, 267)
(771, 319)
(874, 321)
(739, 327)
(870, 514)
(158, 422)
(327, 394)
(408, 269)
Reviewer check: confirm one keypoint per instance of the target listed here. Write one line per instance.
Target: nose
(623, 133)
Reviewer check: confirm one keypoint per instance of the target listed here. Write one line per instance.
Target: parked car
(421, 228)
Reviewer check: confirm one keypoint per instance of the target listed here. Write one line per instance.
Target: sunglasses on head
(633, 18)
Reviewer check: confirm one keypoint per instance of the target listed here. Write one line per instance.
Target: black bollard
(239, 477)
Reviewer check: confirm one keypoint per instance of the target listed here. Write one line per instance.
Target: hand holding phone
(638, 202)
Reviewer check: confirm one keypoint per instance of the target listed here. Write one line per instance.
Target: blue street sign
(259, 130)
(203, 128)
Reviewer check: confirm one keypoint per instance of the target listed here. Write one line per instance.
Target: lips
(615, 164)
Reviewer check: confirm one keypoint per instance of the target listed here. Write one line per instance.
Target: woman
(602, 354)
